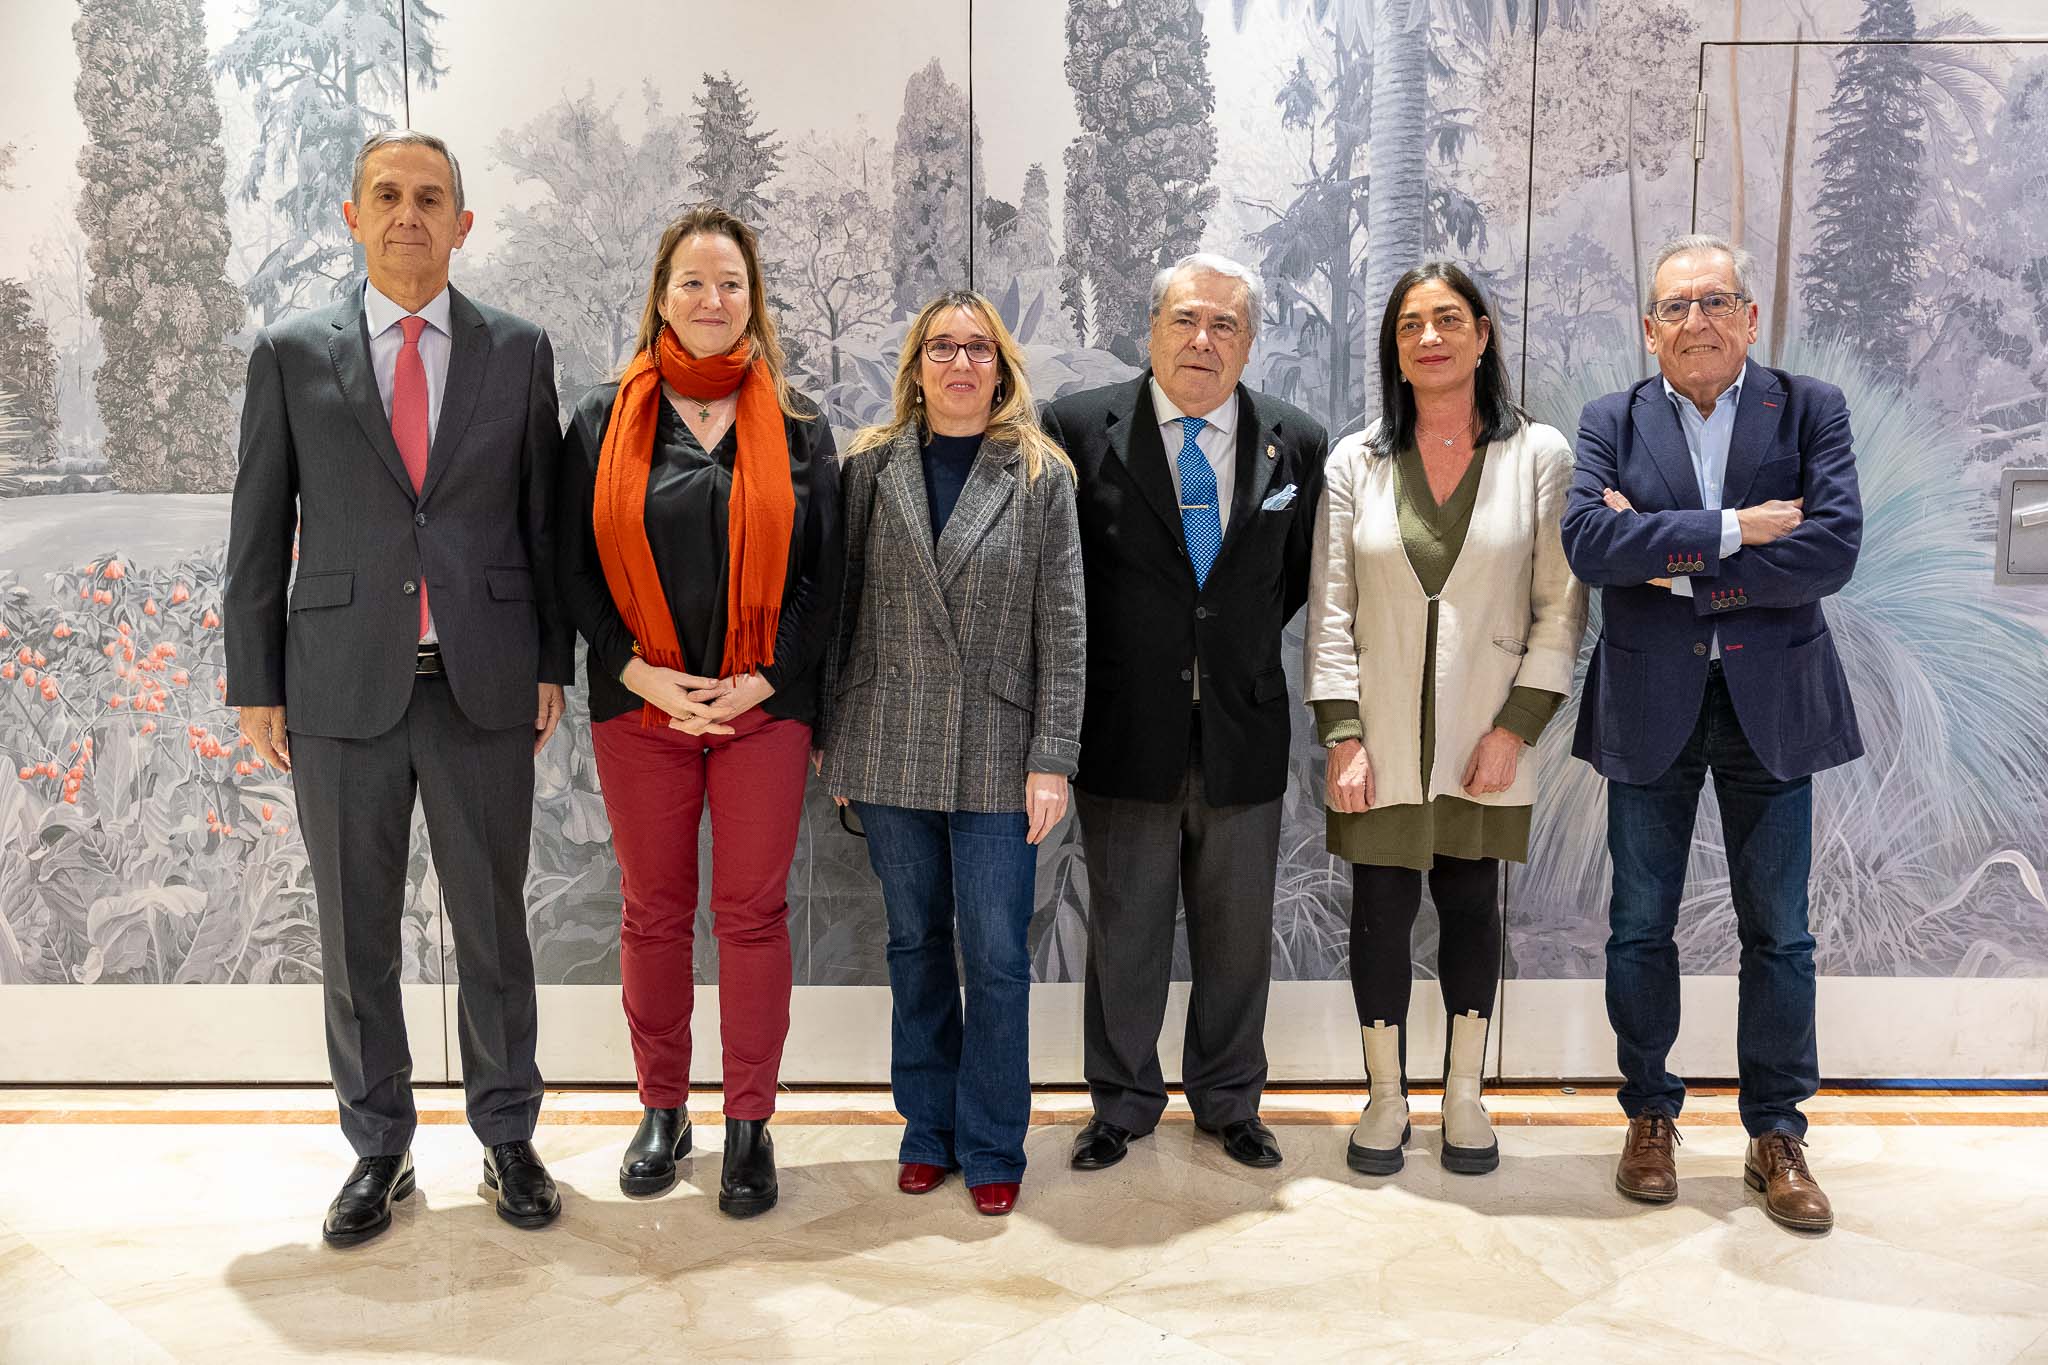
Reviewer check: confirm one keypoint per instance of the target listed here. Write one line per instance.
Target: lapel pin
(1269, 452)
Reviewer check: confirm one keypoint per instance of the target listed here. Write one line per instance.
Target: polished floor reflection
(183, 1225)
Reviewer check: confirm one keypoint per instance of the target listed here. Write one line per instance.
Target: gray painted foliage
(155, 220)
(1138, 190)
(165, 858)
(323, 76)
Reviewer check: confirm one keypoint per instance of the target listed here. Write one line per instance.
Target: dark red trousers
(656, 784)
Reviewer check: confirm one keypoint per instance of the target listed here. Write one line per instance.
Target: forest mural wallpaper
(1895, 195)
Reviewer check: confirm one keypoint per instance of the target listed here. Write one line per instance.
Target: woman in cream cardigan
(1443, 628)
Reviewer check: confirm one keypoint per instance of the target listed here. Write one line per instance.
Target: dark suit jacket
(338, 651)
(1149, 627)
(1649, 669)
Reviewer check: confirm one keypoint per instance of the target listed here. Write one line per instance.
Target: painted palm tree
(1405, 34)
(1928, 850)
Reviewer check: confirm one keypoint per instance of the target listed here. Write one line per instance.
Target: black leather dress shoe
(363, 1208)
(649, 1166)
(1100, 1145)
(746, 1184)
(1248, 1142)
(527, 1197)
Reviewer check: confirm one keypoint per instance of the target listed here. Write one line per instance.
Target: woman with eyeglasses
(1443, 629)
(953, 721)
(698, 553)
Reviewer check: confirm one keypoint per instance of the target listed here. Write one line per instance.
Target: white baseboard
(173, 1035)
(1870, 1028)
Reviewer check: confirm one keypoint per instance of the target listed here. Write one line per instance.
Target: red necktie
(409, 419)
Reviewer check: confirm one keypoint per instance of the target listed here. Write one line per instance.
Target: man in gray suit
(406, 438)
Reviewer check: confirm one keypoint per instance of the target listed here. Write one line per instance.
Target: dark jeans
(962, 1084)
(1768, 826)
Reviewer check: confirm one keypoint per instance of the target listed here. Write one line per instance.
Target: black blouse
(688, 491)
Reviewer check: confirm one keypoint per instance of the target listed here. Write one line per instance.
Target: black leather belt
(429, 662)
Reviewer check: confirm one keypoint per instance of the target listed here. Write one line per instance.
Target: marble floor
(184, 1225)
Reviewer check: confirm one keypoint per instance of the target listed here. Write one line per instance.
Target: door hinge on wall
(1699, 126)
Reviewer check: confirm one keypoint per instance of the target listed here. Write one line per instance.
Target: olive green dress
(1413, 835)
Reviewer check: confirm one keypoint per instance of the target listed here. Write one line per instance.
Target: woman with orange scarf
(700, 557)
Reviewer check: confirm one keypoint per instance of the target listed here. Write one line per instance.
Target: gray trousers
(1221, 860)
(355, 800)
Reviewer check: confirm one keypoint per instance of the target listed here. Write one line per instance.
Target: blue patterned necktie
(1200, 521)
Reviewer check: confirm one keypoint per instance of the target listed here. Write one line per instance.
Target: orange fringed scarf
(759, 522)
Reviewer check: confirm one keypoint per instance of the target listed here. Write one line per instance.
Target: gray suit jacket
(317, 458)
(956, 668)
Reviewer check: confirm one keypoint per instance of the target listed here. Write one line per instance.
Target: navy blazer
(1649, 670)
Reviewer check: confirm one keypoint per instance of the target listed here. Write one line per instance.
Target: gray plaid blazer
(956, 668)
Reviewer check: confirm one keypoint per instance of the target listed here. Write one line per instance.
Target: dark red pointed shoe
(918, 1178)
(997, 1199)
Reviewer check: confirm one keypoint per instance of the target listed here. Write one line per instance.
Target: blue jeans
(962, 1082)
(1768, 827)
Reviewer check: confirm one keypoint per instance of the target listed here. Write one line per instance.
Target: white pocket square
(1280, 501)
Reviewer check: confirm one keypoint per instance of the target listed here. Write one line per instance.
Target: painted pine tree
(935, 179)
(735, 160)
(1858, 278)
(1138, 192)
(155, 220)
(326, 75)
(28, 370)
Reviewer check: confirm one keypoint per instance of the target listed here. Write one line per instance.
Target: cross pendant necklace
(703, 411)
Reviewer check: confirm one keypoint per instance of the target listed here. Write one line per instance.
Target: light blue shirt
(1707, 440)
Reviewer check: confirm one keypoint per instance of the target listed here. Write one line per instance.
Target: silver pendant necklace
(1447, 441)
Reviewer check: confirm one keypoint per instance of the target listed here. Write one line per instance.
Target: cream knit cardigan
(1511, 613)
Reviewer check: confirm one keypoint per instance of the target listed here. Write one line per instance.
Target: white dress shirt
(1217, 441)
(1707, 440)
(387, 338)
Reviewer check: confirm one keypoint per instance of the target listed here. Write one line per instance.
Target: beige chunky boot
(1469, 1145)
(1382, 1130)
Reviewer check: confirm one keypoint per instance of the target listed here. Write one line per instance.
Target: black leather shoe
(1100, 1145)
(1249, 1143)
(746, 1184)
(527, 1197)
(649, 1166)
(363, 1208)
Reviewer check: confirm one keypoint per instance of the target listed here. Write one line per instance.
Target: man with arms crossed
(408, 437)
(1197, 500)
(1715, 506)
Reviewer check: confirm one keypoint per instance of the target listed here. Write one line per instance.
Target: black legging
(1384, 901)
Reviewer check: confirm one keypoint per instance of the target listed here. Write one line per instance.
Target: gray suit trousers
(1220, 860)
(355, 800)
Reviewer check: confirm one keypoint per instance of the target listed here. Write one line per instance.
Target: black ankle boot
(649, 1166)
(747, 1184)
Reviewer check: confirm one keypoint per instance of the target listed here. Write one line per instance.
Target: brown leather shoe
(1775, 1167)
(1648, 1170)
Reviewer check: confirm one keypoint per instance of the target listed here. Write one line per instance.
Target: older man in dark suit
(405, 438)
(1197, 501)
(1715, 506)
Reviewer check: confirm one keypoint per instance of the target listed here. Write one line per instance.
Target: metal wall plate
(2022, 529)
